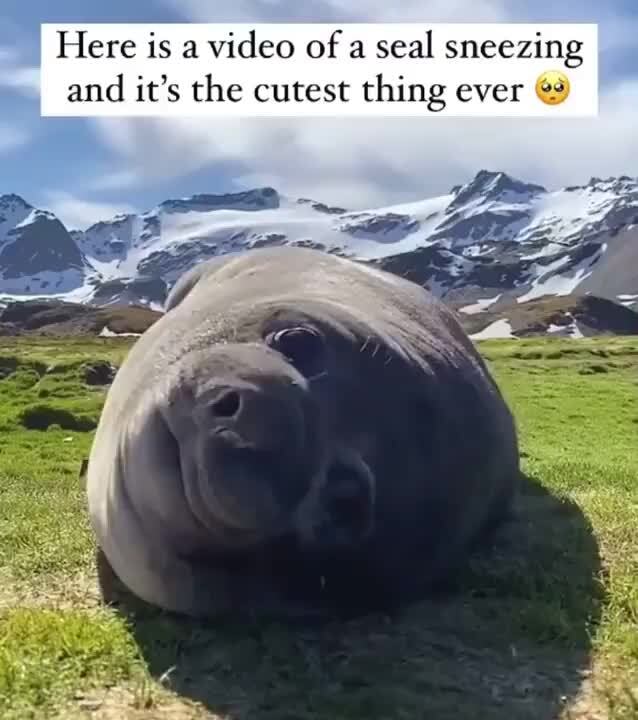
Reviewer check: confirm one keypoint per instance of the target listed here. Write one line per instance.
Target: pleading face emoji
(552, 87)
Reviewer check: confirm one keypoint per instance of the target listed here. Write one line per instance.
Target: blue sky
(87, 169)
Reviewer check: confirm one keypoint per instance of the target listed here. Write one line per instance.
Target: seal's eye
(303, 347)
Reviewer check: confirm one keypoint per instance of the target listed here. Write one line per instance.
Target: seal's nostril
(227, 405)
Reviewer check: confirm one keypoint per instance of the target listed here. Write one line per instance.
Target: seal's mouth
(340, 513)
(347, 501)
(251, 491)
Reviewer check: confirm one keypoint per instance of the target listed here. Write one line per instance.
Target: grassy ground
(546, 627)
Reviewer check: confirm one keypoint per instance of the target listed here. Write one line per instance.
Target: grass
(546, 626)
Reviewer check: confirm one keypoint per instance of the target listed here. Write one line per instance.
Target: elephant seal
(296, 415)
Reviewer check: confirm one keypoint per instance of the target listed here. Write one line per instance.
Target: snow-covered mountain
(37, 253)
(483, 244)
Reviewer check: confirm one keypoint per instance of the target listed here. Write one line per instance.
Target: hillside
(561, 316)
(58, 318)
(492, 240)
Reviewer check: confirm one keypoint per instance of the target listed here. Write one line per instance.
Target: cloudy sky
(90, 169)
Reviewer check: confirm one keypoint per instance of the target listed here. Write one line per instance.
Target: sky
(89, 169)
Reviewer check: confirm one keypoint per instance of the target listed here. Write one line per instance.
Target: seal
(293, 399)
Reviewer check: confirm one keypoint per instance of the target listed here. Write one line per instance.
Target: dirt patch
(50, 592)
(41, 417)
(122, 320)
(146, 702)
(139, 702)
(593, 370)
(8, 365)
(99, 372)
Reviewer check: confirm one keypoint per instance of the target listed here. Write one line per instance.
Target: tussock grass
(545, 626)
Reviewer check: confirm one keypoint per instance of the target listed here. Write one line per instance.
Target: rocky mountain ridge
(485, 244)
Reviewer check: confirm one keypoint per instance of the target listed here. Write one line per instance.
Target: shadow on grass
(513, 641)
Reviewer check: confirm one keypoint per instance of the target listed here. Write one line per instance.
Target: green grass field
(544, 627)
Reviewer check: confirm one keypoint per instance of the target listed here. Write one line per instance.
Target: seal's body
(291, 396)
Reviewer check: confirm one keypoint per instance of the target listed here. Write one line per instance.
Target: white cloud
(357, 163)
(15, 75)
(11, 137)
(118, 180)
(7, 55)
(77, 213)
(341, 10)
(25, 80)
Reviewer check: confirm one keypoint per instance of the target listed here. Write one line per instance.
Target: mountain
(37, 253)
(483, 245)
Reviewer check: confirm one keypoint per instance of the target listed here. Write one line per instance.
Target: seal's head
(255, 432)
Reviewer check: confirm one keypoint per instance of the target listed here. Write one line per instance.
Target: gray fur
(404, 399)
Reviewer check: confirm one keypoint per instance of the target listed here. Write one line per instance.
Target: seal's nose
(256, 436)
(227, 405)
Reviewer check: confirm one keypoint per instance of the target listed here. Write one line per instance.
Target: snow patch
(46, 284)
(574, 330)
(627, 301)
(480, 305)
(550, 282)
(571, 330)
(498, 329)
(107, 332)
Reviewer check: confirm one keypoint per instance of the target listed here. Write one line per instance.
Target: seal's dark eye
(546, 87)
(303, 347)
